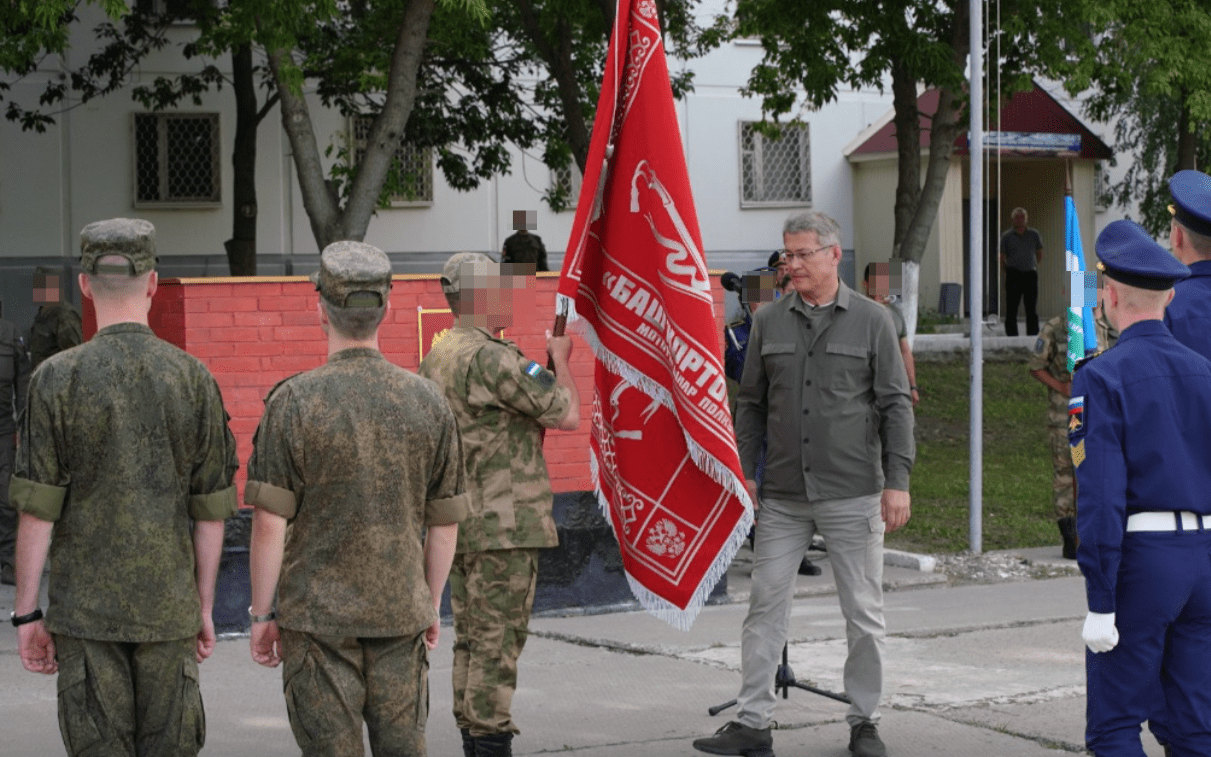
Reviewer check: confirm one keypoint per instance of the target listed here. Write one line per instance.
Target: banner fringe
(654, 604)
(706, 462)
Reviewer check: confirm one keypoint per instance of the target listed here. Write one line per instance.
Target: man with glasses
(824, 379)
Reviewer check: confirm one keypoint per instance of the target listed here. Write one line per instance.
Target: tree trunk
(908, 149)
(388, 127)
(329, 223)
(558, 58)
(241, 248)
(321, 207)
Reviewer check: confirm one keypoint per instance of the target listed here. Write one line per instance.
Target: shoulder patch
(544, 377)
(1076, 417)
(1078, 454)
(1038, 346)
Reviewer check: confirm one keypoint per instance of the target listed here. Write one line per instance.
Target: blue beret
(1191, 191)
(1127, 254)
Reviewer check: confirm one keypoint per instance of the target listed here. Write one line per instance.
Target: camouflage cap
(131, 238)
(353, 275)
(480, 263)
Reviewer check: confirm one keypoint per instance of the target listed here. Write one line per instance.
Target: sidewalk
(987, 670)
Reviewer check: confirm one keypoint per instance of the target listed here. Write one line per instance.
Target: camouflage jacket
(125, 439)
(525, 248)
(359, 455)
(1051, 355)
(56, 328)
(502, 400)
(14, 376)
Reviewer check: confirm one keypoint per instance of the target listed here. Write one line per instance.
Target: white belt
(1166, 521)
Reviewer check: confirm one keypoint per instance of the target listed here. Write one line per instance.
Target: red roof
(1033, 111)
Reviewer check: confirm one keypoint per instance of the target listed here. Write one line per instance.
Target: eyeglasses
(803, 255)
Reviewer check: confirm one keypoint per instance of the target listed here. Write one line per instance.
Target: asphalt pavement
(990, 669)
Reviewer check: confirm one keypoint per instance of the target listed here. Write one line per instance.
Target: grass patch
(1018, 510)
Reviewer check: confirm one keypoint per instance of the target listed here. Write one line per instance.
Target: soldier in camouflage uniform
(1049, 364)
(353, 462)
(522, 246)
(57, 325)
(124, 443)
(502, 401)
(14, 376)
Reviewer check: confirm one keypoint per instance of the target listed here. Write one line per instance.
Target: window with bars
(775, 172)
(1103, 192)
(177, 159)
(565, 184)
(413, 166)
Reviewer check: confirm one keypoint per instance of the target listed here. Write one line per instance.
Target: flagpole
(975, 292)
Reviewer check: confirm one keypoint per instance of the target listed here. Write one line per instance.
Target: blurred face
(46, 288)
(811, 265)
(1019, 222)
(498, 298)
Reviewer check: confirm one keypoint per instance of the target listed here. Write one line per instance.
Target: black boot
(496, 745)
(468, 743)
(1068, 532)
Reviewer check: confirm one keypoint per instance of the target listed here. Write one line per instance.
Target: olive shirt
(502, 400)
(359, 455)
(828, 386)
(125, 439)
(14, 377)
(56, 327)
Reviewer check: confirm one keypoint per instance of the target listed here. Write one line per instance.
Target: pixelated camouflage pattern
(364, 445)
(501, 410)
(332, 683)
(491, 594)
(117, 698)
(525, 248)
(132, 238)
(1051, 355)
(132, 428)
(350, 267)
(57, 327)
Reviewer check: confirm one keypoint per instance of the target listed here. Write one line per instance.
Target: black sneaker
(864, 741)
(735, 738)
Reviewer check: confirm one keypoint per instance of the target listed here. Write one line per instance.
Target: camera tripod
(784, 679)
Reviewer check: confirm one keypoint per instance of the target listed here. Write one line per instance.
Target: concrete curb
(909, 560)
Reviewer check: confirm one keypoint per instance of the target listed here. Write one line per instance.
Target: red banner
(664, 452)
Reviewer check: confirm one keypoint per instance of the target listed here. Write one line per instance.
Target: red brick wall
(254, 332)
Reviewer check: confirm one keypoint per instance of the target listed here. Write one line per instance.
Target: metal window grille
(414, 164)
(568, 180)
(775, 172)
(177, 159)
(1103, 195)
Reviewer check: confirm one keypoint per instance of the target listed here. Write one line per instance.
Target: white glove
(1099, 632)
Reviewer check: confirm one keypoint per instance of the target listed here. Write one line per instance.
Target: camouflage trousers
(1062, 480)
(491, 594)
(333, 683)
(119, 699)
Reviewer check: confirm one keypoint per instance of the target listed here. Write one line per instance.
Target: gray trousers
(853, 533)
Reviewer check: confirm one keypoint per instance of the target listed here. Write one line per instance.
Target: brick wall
(254, 332)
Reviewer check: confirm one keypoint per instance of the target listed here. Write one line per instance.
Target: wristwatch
(271, 615)
(20, 620)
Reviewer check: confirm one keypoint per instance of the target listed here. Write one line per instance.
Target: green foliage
(1148, 68)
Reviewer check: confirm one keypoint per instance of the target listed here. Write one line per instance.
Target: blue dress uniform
(1140, 431)
(1189, 315)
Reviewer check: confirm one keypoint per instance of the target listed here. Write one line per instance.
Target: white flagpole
(975, 293)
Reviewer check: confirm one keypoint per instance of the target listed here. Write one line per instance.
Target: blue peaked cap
(1191, 192)
(1126, 253)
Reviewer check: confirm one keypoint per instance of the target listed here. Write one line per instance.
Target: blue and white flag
(1082, 336)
